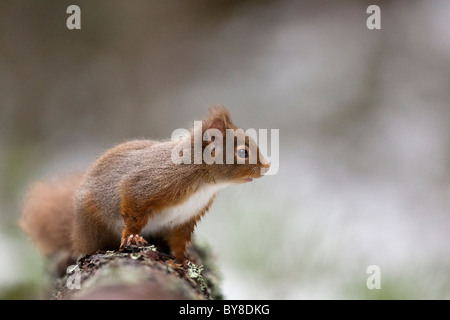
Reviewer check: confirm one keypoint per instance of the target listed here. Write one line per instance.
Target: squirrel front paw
(132, 239)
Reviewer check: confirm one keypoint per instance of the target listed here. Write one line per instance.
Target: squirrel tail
(48, 213)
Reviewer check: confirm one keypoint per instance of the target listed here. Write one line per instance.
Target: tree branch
(140, 273)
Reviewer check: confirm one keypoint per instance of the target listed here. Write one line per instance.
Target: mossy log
(140, 273)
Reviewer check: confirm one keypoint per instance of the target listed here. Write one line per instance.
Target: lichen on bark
(141, 273)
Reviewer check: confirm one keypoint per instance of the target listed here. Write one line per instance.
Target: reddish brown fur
(91, 224)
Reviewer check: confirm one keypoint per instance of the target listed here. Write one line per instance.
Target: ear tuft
(219, 112)
(219, 124)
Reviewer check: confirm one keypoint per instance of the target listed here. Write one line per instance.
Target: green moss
(21, 291)
(195, 272)
(211, 273)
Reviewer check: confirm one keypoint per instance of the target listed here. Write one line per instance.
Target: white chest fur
(176, 215)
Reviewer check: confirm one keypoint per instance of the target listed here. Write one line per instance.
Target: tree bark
(140, 273)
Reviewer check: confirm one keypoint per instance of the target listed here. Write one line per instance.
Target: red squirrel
(134, 192)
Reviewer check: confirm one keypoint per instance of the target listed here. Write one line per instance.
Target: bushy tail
(48, 213)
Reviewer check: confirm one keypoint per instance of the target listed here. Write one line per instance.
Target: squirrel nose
(264, 168)
(265, 165)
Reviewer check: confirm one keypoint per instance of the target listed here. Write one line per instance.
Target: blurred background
(364, 176)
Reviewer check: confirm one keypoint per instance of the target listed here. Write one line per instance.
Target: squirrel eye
(242, 153)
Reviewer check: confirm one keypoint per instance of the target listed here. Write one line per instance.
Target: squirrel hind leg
(91, 231)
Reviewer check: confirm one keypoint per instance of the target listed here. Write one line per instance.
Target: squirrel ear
(218, 124)
(219, 112)
(218, 118)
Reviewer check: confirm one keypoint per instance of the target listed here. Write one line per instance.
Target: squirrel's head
(231, 153)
